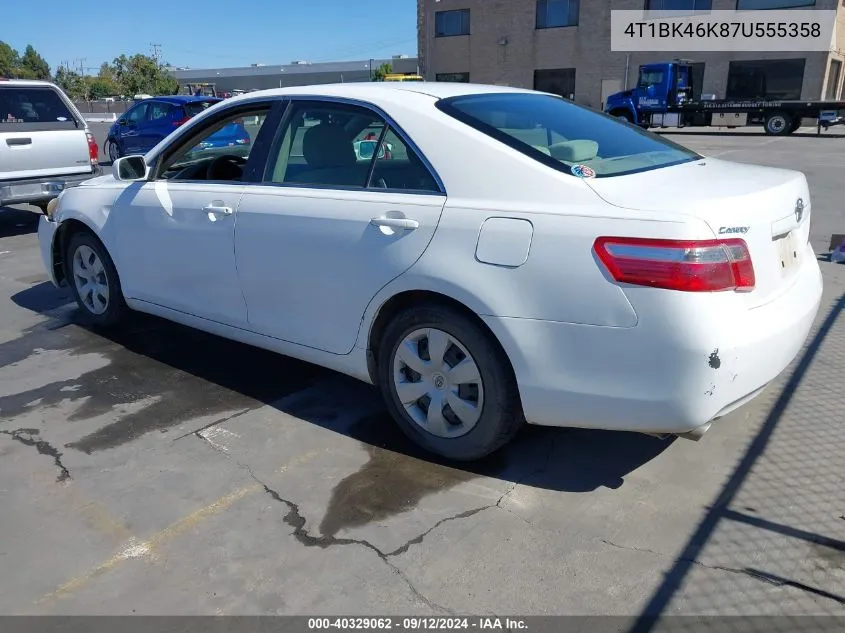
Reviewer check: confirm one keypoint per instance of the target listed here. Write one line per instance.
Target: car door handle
(18, 141)
(396, 223)
(218, 208)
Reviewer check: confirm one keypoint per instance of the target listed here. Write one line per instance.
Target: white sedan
(518, 259)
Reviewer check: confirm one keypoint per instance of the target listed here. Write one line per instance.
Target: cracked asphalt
(161, 470)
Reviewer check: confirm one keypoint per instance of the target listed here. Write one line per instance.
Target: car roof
(180, 99)
(26, 82)
(374, 91)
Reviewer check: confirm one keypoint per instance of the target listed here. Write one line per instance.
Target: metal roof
(292, 69)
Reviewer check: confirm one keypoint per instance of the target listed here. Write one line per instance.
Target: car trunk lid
(768, 208)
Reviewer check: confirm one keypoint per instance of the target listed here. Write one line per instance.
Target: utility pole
(156, 52)
(82, 61)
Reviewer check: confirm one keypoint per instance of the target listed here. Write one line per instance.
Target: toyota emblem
(799, 209)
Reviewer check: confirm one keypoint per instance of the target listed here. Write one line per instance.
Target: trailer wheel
(778, 124)
(796, 124)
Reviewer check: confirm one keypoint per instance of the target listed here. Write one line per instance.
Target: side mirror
(130, 168)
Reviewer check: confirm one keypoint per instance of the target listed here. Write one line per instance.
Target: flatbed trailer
(776, 117)
(663, 98)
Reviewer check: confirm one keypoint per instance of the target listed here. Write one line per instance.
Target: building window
(766, 78)
(832, 91)
(453, 77)
(559, 81)
(753, 5)
(449, 23)
(679, 5)
(553, 14)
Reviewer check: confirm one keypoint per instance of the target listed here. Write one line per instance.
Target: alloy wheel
(89, 276)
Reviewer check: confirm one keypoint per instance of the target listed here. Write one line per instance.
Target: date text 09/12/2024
(417, 624)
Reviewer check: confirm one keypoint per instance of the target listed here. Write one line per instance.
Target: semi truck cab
(660, 87)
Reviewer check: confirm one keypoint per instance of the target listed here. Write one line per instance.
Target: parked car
(148, 122)
(45, 143)
(548, 264)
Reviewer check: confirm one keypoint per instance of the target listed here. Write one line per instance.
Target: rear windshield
(193, 108)
(566, 136)
(33, 108)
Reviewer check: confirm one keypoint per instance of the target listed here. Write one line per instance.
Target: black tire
(116, 308)
(796, 124)
(778, 124)
(112, 150)
(501, 415)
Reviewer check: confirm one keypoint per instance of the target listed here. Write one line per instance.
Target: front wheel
(93, 280)
(448, 384)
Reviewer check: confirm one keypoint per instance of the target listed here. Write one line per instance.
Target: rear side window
(565, 136)
(33, 108)
(159, 111)
(193, 108)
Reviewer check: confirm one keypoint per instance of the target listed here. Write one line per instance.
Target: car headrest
(327, 145)
(574, 151)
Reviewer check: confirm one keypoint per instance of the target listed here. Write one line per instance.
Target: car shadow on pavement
(191, 374)
(18, 221)
(777, 522)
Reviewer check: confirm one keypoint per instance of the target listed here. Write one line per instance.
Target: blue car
(148, 122)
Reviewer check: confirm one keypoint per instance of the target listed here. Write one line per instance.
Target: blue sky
(212, 33)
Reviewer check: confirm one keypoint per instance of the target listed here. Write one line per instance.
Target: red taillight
(182, 121)
(689, 266)
(93, 149)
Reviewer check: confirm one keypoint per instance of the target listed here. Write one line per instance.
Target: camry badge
(733, 229)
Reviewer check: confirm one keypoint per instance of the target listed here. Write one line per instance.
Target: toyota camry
(514, 258)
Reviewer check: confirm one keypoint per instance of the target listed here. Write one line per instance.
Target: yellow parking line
(134, 548)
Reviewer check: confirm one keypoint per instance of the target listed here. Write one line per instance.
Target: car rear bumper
(35, 190)
(657, 379)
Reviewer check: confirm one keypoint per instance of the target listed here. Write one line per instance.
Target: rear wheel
(447, 384)
(93, 280)
(113, 150)
(778, 124)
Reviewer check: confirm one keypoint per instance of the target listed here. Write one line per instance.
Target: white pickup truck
(45, 143)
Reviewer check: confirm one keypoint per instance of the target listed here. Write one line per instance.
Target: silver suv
(45, 143)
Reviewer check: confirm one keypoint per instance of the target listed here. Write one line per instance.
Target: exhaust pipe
(696, 434)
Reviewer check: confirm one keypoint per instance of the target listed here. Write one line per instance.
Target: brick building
(563, 46)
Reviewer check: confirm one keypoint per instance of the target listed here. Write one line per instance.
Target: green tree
(9, 60)
(30, 66)
(99, 88)
(71, 83)
(33, 65)
(142, 74)
(380, 72)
